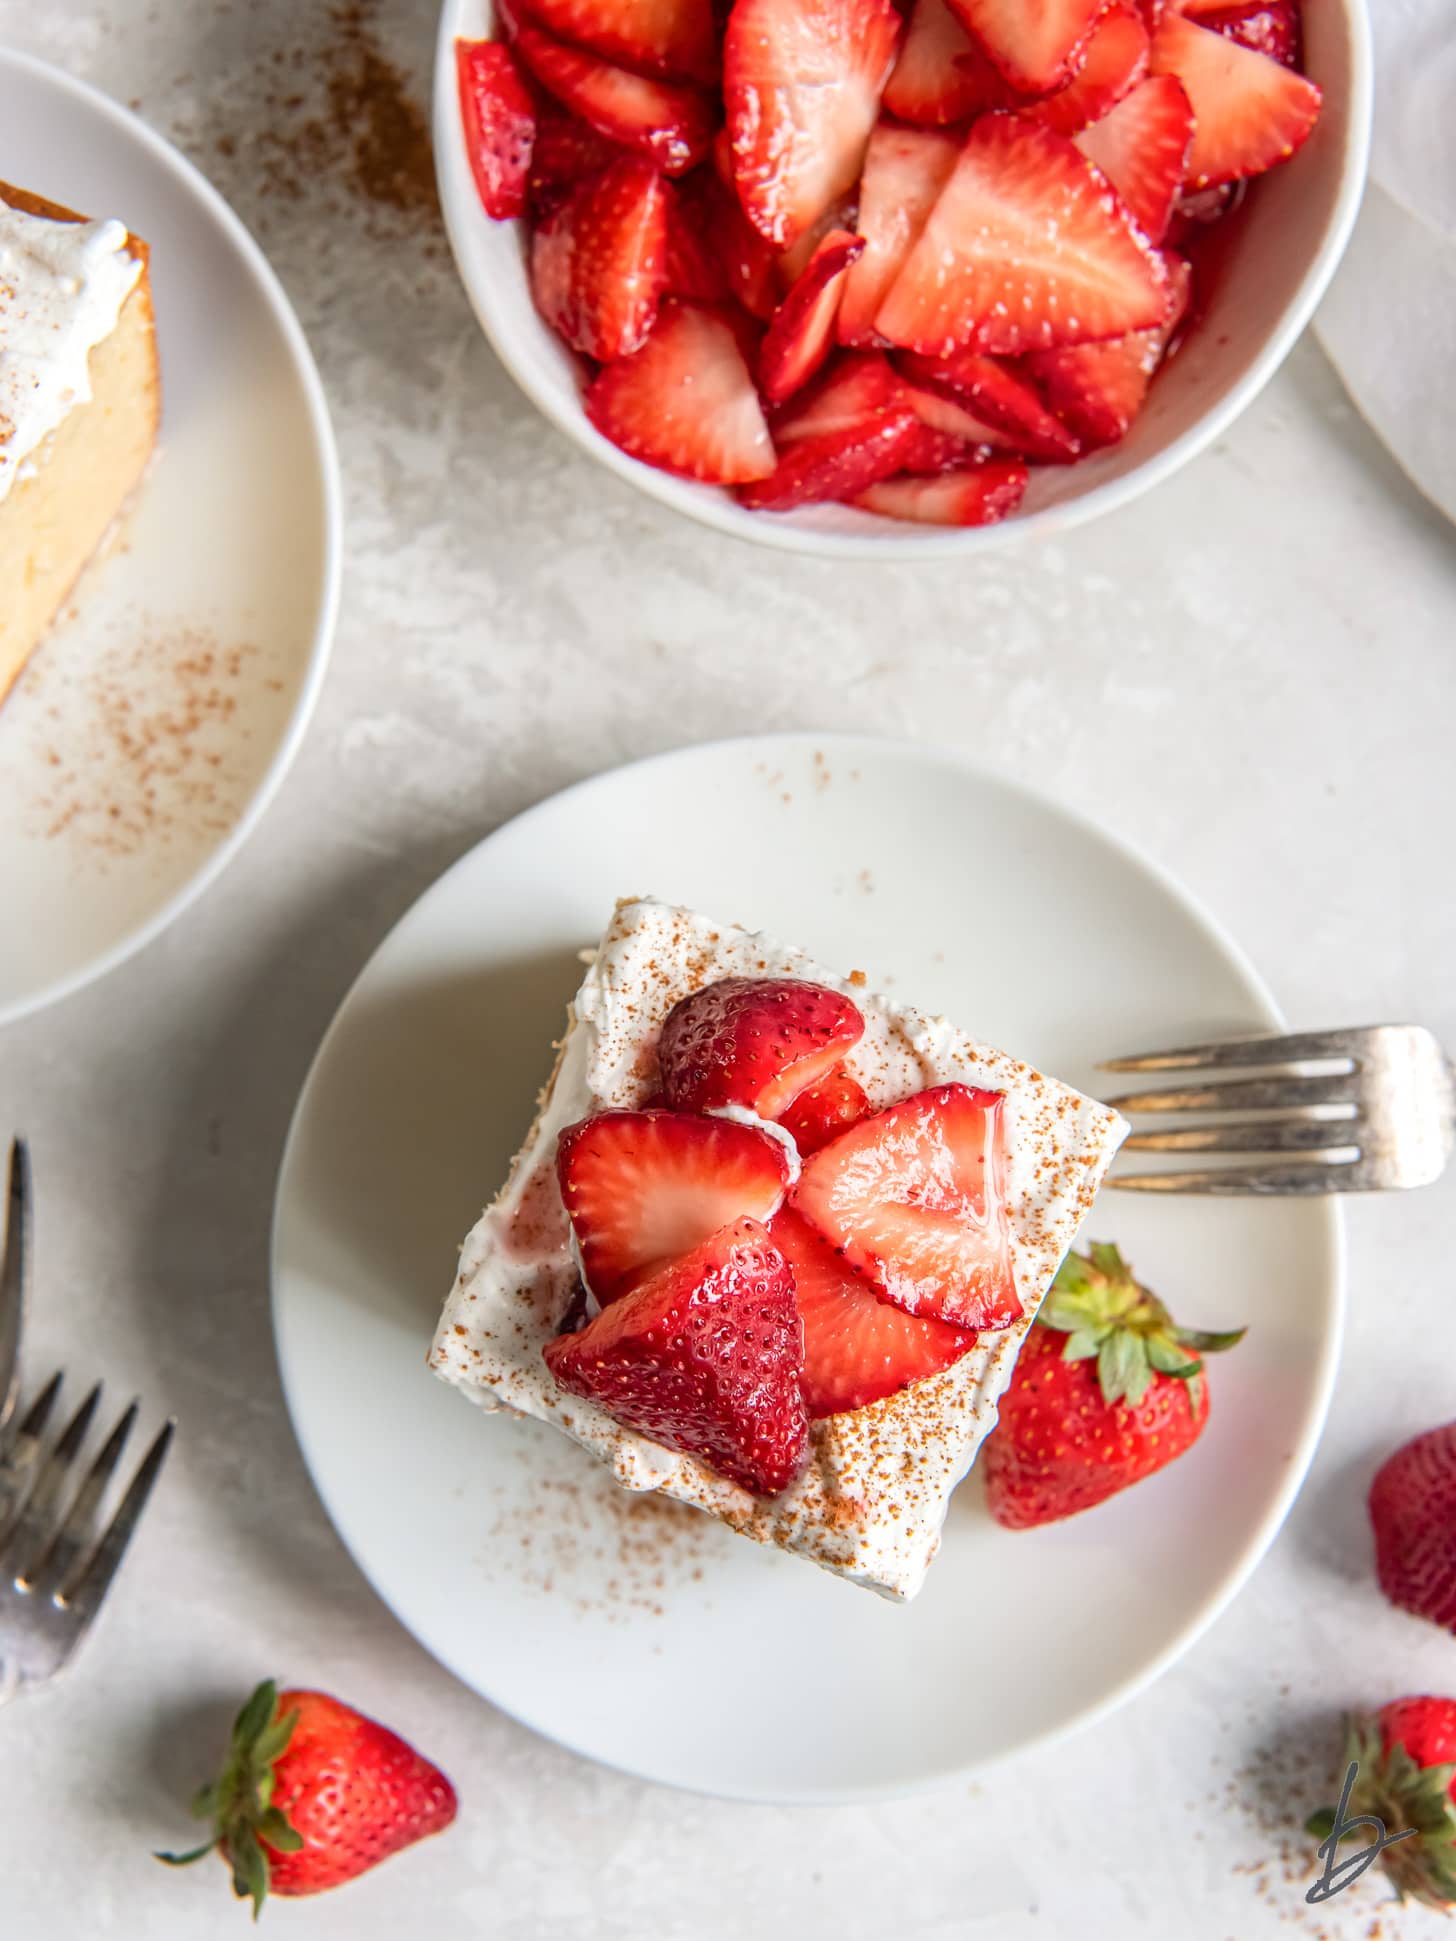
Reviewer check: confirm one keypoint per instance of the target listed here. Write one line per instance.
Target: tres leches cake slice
(80, 401)
(773, 1242)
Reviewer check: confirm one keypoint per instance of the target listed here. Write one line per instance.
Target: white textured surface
(1251, 673)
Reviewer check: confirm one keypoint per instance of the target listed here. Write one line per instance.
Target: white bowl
(1292, 234)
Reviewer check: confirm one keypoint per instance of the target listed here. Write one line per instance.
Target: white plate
(642, 1634)
(151, 729)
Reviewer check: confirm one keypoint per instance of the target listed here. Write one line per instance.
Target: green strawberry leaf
(1169, 1359)
(256, 1713)
(184, 1859)
(1073, 1276)
(1122, 1369)
(1082, 1345)
(278, 1831)
(1319, 1826)
(1108, 1260)
(250, 1868)
(274, 1741)
(1209, 1344)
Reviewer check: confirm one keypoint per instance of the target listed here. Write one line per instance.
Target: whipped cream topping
(871, 1504)
(62, 285)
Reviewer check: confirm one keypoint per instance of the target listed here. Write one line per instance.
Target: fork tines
(1325, 1111)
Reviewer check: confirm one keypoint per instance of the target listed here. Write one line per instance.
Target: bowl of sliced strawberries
(898, 276)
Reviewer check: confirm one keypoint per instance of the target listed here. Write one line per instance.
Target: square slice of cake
(80, 402)
(773, 1242)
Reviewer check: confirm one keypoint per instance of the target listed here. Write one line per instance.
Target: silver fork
(1378, 1112)
(56, 1560)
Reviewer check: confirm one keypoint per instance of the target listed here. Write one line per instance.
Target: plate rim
(1256, 1545)
(133, 127)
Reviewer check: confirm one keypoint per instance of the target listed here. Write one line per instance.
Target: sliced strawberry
(672, 37)
(1249, 113)
(946, 428)
(801, 83)
(1026, 248)
(815, 471)
(670, 125)
(823, 1110)
(978, 495)
(915, 1199)
(993, 392)
(934, 452)
(499, 118)
(1195, 213)
(706, 1357)
(857, 391)
(1141, 146)
(693, 267)
(749, 263)
(599, 264)
(641, 1188)
(754, 1042)
(566, 151)
(905, 170)
(1034, 43)
(685, 401)
(1269, 26)
(801, 333)
(793, 261)
(1116, 60)
(858, 1349)
(941, 75)
(1100, 388)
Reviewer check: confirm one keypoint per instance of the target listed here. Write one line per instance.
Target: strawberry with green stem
(314, 1794)
(1107, 1390)
(1406, 1759)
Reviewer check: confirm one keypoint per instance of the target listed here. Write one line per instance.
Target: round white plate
(151, 728)
(617, 1625)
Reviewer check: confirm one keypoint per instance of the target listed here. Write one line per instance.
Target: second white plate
(152, 727)
(640, 1633)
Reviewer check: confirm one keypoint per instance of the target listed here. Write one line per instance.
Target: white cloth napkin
(1389, 321)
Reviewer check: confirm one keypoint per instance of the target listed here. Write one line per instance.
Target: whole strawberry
(1413, 1515)
(1406, 1755)
(1106, 1390)
(314, 1794)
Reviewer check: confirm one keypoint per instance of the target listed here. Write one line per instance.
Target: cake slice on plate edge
(872, 1500)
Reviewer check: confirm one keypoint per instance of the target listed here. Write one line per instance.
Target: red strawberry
(977, 496)
(566, 151)
(1141, 146)
(674, 37)
(313, 1795)
(1269, 26)
(670, 125)
(685, 401)
(941, 75)
(1413, 1515)
(749, 263)
(992, 391)
(1026, 248)
(1106, 1391)
(705, 1357)
(1034, 43)
(813, 471)
(931, 454)
(801, 83)
(1248, 111)
(1195, 213)
(693, 268)
(905, 170)
(823, 1110)
(859, 389)
(1116, 60)
(857, 1348)
(755, 1042)
(793, 261)
(1100, 388)
(641, 1188)
(599, 264)
(944, 423)
(801, 332)
(915, 1199)
(499, 119)
(1406, 1756)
